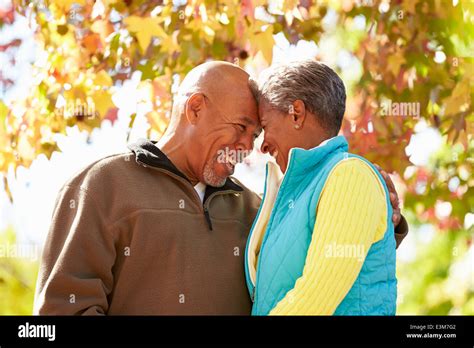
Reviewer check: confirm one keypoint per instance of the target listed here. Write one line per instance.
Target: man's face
(225, 134)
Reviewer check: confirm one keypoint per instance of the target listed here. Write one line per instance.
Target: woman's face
(280, 134)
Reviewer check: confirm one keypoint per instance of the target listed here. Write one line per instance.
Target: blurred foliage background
(404, 51)
(18, 272)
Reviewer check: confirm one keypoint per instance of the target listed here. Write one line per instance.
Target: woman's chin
(282, 164)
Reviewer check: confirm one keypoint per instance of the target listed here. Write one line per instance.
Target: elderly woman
(323, 240)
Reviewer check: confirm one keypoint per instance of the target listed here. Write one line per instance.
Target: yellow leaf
(103, 79)
(170, 43)
(144, 29)
(460, 99)
(102, 102)
(3, 132)
(3, 114)
(264, 42)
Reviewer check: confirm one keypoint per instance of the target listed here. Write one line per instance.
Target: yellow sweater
(351, 216)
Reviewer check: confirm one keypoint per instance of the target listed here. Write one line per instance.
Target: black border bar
(140, 330)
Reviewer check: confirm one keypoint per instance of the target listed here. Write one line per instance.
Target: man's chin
(217, 176)
(215, 182)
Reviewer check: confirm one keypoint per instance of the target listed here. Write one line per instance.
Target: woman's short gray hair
(317, 85)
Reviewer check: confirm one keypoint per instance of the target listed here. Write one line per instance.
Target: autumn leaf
(145, 28)
(92, 42)
(103, 79)
(263, 41)
(460, 99)
(3, 114)
(102, 102)
(112, 115)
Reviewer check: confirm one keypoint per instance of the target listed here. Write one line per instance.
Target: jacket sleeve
(401, 231)
(75, 275)
(352, 211)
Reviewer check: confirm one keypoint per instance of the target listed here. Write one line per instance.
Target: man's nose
(245, 144)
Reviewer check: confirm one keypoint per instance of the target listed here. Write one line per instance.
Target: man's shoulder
(103, 171)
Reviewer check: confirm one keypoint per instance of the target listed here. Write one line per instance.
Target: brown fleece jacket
(130, 235)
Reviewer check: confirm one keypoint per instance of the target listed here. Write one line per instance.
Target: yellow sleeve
(351, 215)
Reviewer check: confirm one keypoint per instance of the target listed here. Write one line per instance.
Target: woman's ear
(194, 106)
(297, 112)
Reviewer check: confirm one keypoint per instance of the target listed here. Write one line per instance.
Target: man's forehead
(251, 120)
(245, 111)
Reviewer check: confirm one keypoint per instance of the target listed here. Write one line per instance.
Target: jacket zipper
(204, 205)
(208, 218)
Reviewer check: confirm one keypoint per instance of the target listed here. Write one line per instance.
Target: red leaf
(112, 115)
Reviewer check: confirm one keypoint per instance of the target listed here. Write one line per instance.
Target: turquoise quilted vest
(289, 231)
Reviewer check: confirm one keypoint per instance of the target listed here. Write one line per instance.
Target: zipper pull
(208, 218)
(253, 295)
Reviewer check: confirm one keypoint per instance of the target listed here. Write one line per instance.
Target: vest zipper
(268, 228)
(254, 290)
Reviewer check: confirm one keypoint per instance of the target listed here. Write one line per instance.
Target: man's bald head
(217, 80)
(214, 110)
(210, 76)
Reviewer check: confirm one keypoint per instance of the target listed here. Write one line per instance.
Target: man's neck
(176, 153)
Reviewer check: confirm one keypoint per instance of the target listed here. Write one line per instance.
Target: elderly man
(162, 229)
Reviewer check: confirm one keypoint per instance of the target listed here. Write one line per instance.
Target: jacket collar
(303, 161)
(148, 153)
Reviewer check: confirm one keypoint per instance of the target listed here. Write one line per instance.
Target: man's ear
(297, 112)
(194, 106)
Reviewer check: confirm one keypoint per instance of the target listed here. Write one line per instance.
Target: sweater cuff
(401, 231)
